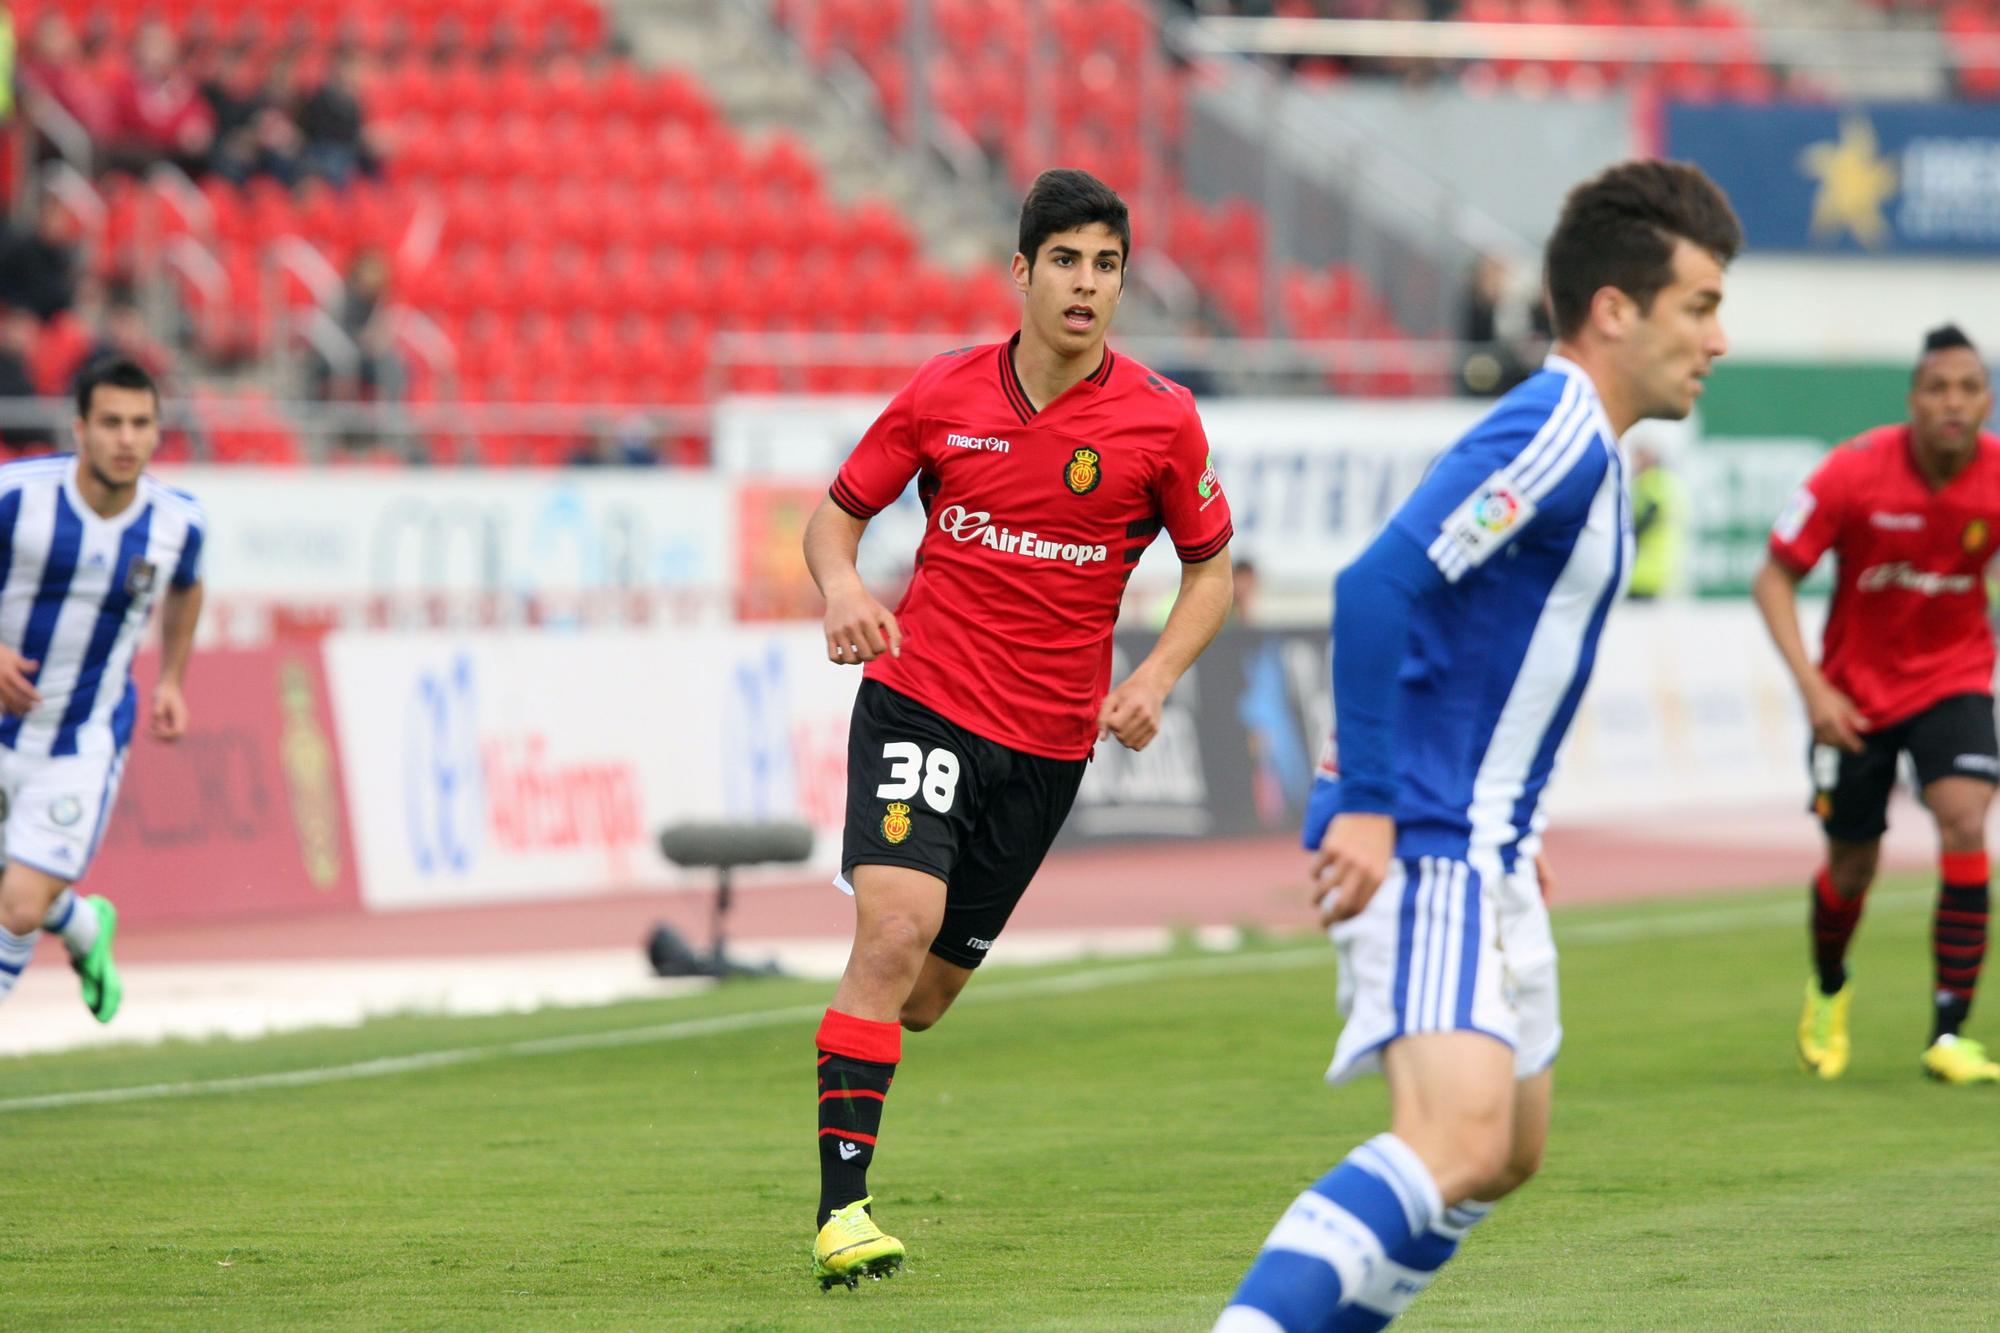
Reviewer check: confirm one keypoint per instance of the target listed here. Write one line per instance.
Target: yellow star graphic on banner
(1854, 183)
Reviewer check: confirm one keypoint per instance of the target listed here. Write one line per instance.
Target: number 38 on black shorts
(924, 792)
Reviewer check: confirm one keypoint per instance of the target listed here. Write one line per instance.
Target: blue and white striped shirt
(1490, 586)
(75, 590)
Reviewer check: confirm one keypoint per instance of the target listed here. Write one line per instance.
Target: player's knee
(19, 915)
(1485, 1153)
(921, 1015)
(1468, 1153)
(1962, 831)
(1524, 1159)
(896, 940)
(1851, 875)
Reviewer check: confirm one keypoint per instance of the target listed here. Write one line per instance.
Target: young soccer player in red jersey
(1912, 515)
(1046, 465)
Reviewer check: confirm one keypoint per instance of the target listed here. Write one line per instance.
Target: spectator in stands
(254, 132)
(338, 142)
(54, 71)
(38, 268)
(1193, 375)
(1503, 335)
(364, 318)
(121, 333)
(627, 442)
(158, 112)
(18, 330)
(1248, 591)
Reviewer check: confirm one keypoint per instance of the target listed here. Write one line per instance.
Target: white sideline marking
(1698, 921)
(692, 1027)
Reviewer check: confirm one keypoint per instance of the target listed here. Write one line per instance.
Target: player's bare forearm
(858, 628)
(1132, 711)
(180, 610)
(1198, 612)
(832, 537)
(1776, 592)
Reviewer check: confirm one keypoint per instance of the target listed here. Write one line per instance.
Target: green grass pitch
(1081, 1148)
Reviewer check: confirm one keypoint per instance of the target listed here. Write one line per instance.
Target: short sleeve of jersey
(884, 461)
(1522, 463)
(1192, 505)
(187, 570)
(1810, 521)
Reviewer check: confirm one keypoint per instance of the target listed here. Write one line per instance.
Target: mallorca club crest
(1973, 539)
(1081, 474)
(896, 824)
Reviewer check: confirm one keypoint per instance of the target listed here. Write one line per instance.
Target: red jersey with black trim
(1908, 622)
(1034, 521)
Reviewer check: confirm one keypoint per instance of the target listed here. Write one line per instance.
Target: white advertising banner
(323, 534)
(1309, 480)
(1689, 707)
(500, 766)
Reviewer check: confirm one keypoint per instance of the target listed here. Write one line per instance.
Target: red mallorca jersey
(1908, 622)
(1033, 523)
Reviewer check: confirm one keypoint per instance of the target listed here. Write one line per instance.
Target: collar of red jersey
(1099, 376)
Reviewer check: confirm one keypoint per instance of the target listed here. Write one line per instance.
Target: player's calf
(937, 986)
(1334, 1241)
(1452, 1095)
(21, 913)
(25, 895)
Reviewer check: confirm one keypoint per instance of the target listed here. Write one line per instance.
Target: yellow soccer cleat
(1823, 1044)
(1960, 1060)
(851, 1247)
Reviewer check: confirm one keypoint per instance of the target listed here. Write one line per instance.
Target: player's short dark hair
(1943, 338)
(1063, 199)
(120, 372)
(1618, 229)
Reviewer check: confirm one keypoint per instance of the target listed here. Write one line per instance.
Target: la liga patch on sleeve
(1482, 524)
(1793, 520)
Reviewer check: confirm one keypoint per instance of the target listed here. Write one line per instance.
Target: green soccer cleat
(851, 1247)
(1960, 1060)
(103, 988)
(1823, 1045)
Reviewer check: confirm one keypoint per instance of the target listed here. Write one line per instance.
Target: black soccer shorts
(1954, 737)
(926, 793)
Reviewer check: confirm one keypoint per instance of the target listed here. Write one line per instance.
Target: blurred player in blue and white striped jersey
(88, 542)
(1463, 638)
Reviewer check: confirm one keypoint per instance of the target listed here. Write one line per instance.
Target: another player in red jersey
(1045, 465)
(1912, 515)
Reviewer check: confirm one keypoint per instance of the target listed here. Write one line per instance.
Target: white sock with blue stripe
(15, 951)
(1334, 1239)
(73, 919)
(1409, 1270)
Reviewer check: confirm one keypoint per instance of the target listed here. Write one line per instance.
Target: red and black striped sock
(1833, 923)
(857, 1062)
(1958, 937)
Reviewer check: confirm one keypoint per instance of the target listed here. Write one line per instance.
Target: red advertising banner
(771, 578)
(243, 816)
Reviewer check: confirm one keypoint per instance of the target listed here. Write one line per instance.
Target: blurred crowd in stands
(215, 108)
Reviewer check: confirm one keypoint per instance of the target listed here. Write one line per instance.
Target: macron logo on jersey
(963, 525)
(990, 443)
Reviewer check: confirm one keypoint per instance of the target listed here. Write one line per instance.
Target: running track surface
(1157, 883)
